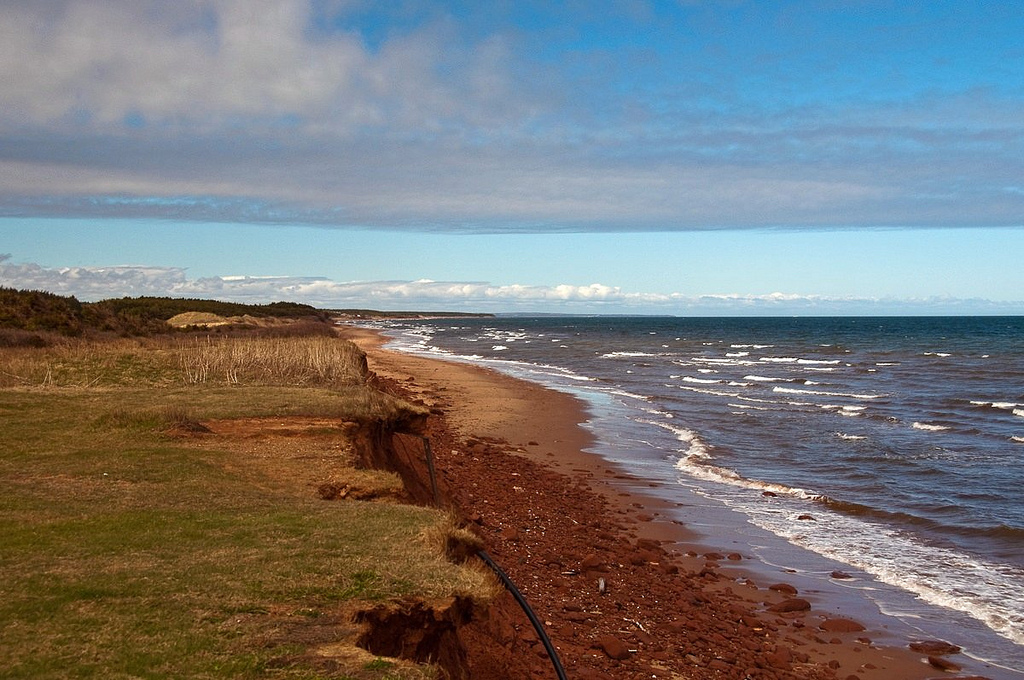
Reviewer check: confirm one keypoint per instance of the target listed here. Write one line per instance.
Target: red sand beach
(622, 591)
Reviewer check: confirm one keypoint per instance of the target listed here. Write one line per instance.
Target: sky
(692, 157)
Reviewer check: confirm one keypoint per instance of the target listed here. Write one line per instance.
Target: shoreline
(538, 431)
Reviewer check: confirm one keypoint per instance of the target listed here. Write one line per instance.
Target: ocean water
(902, 439)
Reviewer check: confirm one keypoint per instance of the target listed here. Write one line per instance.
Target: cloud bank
(520, 117)
(95, 283)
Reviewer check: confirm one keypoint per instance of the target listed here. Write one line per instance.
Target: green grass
(129, 553)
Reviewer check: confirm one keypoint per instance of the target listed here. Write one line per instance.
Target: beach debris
(708, 572)
(510, 534)
(935, 647)
(841, 626)
(943, 664)
(613, 647)
(602, 586)
(783, 588)
(793, 604)
(636, 623)
(782, 657)
(840, 575)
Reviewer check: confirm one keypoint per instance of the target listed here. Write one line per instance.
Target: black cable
(552, 654)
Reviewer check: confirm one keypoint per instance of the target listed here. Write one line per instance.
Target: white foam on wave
(499, 348)
(762, 378)
(695, 448)
(1001, 405)
(628, 395)
(850, 437)
(619, 355)
(503, 336)
(737, 354)
(751, 346)
(773, 402)
(439, 351)
(700, 467)
(929, 427)
(752, 408)
(792, 390)
(1018, 412)
(799, 361)
(703, 381)
(1019, 440)
(844, 410)
(720, 362)
(700, 390)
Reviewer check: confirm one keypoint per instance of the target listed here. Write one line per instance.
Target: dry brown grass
(451, 540)
(296, 361)
(85, 363)
(272, 361)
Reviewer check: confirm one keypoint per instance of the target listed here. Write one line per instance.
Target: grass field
(134, 547)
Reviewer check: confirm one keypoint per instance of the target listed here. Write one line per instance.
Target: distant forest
(31, 317)
(38, 318)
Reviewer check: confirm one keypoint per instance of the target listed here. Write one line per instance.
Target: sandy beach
(623, 591)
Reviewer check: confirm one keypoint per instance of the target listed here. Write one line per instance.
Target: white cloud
(94, 283)
(219, 64)
(266, 111)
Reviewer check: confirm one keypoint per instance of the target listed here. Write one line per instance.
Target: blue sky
(689, 157)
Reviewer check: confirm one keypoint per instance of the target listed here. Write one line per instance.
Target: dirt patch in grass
(302, 455)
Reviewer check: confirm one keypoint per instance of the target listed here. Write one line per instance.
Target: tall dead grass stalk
(318, 361)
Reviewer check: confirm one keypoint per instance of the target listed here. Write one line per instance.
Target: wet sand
(625, 590)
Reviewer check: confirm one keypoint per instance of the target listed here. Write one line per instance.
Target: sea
(890, 449)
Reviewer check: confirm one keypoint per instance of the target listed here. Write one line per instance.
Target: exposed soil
(299, 454)
(429, 632)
